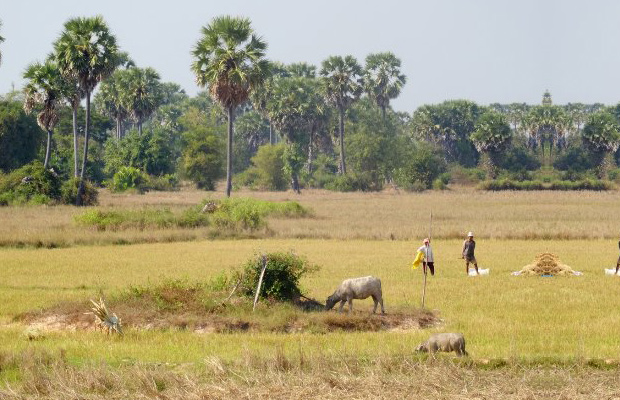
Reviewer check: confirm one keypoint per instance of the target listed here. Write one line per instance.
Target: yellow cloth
(418, 260)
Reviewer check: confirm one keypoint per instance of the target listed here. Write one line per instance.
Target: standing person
(469, 246)
(429, 261)
(618, 263)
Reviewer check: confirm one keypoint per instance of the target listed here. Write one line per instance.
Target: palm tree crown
(383, 78)
(229, 59)
(87, 51)
(342, 80)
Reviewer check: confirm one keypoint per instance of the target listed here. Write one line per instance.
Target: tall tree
(491, 137)
(229, 58)
(296, 108)
(383, 79)
(141, 93)
(342, 85)
(108, 100)
(601, 135)
(44, 92)
(87, 51)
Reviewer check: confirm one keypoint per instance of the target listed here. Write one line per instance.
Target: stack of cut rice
(547, 264)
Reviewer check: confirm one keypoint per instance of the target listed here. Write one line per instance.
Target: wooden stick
(260, 282)
(430, 232)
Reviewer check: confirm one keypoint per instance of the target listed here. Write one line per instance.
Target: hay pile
(547, 264)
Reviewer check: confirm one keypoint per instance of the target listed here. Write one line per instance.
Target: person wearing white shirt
(429, 261)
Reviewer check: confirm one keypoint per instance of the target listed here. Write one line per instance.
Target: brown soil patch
(230, 319)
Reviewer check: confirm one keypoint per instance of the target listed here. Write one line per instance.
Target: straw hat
(470, 234)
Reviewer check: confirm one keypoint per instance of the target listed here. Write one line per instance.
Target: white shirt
(428, 253)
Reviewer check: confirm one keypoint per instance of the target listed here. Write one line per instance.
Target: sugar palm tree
(383, 79)
(108, 100)
(87, 52)
(342, 85)
(229, 59)
(141, 93)
(44, 92)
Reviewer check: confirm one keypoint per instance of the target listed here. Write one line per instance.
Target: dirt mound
(547, 264)
(304, 317)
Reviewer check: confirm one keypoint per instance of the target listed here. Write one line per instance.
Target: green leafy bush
(69, 192)
(352, 182)
(124, 219)
(424, 165)
(168, 182)
(30, 184)
(128, 178)
(281, 278)
(506, 184)
(267, 171)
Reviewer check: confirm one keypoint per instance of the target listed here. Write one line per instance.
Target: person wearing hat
(618, 263)
(429, 261)
(469, 245)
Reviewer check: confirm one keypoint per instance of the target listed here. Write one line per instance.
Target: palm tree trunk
(118, 127)
(270, 133)
(343, 168)
(231, 117)
(78, 201)
(310, 152)
(48, 149)
(383, 112)
(139, 126)
(75, 142)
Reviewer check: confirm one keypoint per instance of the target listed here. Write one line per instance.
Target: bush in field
(249, 214)
(353, 182)
(267, 170)
(128, 178)
(69, 192)
(141, 219)
(507, 184)
(30, 184)
(282, 275)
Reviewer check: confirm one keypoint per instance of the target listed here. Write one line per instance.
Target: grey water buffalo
(357, 288)
(444, 342)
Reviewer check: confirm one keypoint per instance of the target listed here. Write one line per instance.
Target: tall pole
(430, 232)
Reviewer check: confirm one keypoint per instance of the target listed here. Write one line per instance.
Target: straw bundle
(547, 264)
(103, 318)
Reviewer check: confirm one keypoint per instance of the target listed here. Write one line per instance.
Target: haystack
(547, 264)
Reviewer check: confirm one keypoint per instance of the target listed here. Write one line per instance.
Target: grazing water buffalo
(357, 288)
(444, 342)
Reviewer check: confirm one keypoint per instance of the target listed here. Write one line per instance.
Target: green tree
(44, 92)
(492, 136)
(251, 132)
(601, 135)
(20, 137)
(230, 59)
(141, 93)
(108, 100)
(342, 84)
(383, 79)
(449, 125)
(87, 51)
(296, 108)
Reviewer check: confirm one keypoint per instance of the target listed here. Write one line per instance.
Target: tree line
(271, 123)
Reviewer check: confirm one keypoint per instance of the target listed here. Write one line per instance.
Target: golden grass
(500, 315)
(385, 215)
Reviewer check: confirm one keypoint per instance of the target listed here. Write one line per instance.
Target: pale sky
(483, 50)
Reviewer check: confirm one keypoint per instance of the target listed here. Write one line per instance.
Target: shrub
(465, 176)
(128, 178)
(353, 182)
(123, 219)
(267, 170)
(281, 278)
(168, 182)
(506, 184)
(69, 192)
(30, 184)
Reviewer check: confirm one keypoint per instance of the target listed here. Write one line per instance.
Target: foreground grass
(501, 316)
(386, 215)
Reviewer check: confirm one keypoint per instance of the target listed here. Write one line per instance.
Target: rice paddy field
(528, 337)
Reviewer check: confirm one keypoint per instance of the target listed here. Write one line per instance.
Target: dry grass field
(385, 215)
(528, 337)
